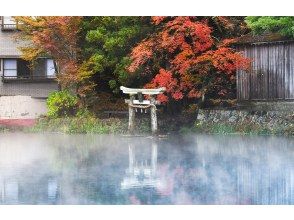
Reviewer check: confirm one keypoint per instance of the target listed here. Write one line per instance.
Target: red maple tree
(190, 56)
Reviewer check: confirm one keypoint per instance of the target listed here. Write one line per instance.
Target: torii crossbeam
(142, 104)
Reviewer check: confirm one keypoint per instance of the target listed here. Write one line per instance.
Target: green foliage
(274, 24)
(61, 103)
(82, 124)
(84, 113)
(108, 41)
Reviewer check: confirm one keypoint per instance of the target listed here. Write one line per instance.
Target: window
(21, 69)
(50, 68)
(8, 20)
(10, 67)
(8, 23)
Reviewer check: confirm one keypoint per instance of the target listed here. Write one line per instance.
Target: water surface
(106, 169)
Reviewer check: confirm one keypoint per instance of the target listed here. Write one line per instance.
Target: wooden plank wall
(271, 76)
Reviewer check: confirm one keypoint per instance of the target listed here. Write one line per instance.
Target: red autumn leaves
(188, 58)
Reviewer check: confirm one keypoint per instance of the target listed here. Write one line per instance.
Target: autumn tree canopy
(54, 36)
(190, 56)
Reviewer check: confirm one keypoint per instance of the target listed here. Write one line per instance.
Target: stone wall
(21, 107)
(270, 118)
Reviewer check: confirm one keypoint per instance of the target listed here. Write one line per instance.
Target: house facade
(23, 87)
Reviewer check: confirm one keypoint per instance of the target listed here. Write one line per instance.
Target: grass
(86, 122)
(93, 125)
(72, 125)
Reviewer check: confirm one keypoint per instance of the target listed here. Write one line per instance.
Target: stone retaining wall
(271, 118)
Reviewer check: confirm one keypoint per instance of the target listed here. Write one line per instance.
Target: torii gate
(142, 104)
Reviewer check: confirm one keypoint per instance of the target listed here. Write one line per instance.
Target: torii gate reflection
(142, 172)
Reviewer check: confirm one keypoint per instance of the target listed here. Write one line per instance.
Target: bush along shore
(92, 124)
(64, 115)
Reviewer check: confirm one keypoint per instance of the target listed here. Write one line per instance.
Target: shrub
(84, 113)
(61, 103)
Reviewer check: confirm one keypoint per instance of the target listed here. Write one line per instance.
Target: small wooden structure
(142, 104)
(271, 76)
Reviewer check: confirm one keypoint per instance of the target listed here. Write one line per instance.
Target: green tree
(107, 43)
(272, 24)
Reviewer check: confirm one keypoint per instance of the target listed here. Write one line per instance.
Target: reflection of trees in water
(223, 170)
(232, 170)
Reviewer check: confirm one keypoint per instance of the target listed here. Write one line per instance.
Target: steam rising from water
(102, 169)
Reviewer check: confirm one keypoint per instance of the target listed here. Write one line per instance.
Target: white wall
(21, 107)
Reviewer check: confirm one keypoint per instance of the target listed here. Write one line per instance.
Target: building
(23, 87)
(271, 76)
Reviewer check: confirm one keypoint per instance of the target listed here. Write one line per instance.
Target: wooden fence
(271, 76)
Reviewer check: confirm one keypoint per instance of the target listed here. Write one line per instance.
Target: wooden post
(131, 115)
(153, 116)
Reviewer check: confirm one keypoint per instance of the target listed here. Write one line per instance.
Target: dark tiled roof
(265, 38)
(9, 47)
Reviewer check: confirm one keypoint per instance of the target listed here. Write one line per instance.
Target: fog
(108, 169)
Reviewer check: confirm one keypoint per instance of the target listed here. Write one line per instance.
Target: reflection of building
(13, 191)
(142, 169)
(9, 191)
(29, 188)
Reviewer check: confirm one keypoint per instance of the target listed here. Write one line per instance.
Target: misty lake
(108, 169)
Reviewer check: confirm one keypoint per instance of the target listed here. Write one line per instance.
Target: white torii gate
(142, 104)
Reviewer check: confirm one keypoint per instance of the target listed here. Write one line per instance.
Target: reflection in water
(98, 169)
(142, 171)
(9, 191)
(52, 189)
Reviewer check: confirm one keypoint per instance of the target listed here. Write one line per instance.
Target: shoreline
(118, 126)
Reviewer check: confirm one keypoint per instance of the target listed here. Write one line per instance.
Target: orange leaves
(158, 19)
(56, 36)
(165, 79)
(226, 42)
(140, 54)
(226, 60)
(184, 34)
